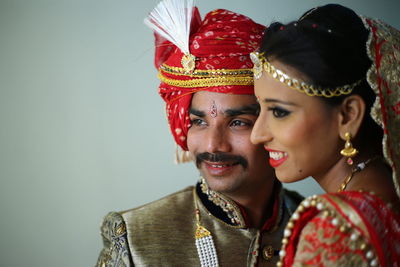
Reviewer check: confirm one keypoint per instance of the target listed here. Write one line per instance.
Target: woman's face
(299, 131)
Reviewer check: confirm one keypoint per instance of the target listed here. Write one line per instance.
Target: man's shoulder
(116, 250)
(292, 199)
(168, 205)
(294, 195)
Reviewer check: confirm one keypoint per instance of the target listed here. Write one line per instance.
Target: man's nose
(217, 140)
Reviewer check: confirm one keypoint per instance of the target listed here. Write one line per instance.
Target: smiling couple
(306, 112)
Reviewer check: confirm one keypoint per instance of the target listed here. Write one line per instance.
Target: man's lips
(220, 165)
(219, 168)
(220, 160)
(276, 157)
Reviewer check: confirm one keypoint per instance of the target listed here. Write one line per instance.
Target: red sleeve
(325, 242)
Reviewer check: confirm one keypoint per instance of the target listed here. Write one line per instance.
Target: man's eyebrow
(252, 109)
(197, 112)
(272, 100)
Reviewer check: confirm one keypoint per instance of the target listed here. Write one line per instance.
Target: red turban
(221, 45)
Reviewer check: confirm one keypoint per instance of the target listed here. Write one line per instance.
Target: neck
(258, 205)
(340, 176)
(331, 181)
(364, 179)
(376, 178)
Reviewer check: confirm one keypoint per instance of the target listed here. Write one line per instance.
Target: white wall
(82, 128)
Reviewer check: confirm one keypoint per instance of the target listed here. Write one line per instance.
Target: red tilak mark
(213, 110)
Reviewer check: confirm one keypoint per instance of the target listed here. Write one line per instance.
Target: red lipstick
(276, 162)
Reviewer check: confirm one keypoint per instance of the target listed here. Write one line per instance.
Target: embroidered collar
(228, 211)
(228, 206)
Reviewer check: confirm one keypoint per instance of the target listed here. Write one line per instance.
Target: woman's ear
(351, 115)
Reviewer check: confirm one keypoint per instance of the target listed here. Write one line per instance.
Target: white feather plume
(171, 19)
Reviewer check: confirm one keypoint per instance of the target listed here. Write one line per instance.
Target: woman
(326, 84)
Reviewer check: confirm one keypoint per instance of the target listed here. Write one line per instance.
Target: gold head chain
(261, 64)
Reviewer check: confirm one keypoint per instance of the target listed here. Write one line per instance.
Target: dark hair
(328, 46)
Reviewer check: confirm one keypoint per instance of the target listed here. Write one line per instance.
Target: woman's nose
(260, 133)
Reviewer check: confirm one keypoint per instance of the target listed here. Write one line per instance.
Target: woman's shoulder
(332, 229)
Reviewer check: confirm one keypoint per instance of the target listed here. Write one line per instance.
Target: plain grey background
(82, 128)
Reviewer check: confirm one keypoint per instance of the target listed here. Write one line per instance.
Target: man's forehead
(203, 100)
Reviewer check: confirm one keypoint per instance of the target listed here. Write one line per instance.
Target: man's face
(219, 138)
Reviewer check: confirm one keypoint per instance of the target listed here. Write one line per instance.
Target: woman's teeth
(277, 155)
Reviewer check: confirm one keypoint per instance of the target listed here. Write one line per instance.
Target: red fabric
(332, 251)
(223, 40)
(294, 237)
(382, 224)
(272, 221)
(385, 47)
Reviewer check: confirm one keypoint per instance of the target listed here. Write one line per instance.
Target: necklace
(204, 241)
(360, 166)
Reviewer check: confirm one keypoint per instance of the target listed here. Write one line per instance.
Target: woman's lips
(276, 158)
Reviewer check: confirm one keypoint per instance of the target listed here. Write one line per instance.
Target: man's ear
(351, 115)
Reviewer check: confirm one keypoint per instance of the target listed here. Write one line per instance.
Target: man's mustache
(220, 157)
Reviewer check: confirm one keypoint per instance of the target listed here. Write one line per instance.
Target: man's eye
(238, 123)
(278, 112)
(197, 122)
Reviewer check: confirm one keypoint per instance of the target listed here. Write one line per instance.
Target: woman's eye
(279, 112)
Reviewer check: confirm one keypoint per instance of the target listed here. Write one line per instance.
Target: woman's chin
(286, 177)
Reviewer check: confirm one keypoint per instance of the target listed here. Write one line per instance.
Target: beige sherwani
(161, 233)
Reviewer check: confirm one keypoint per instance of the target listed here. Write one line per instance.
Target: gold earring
(348, 151)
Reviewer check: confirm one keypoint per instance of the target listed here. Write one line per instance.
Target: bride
(328, 86)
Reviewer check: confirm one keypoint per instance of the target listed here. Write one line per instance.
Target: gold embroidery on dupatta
(383, 48)
(306, 252)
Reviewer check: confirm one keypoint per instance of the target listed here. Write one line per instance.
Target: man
(236, 213)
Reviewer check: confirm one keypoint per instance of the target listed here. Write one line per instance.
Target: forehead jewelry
(213, 110)
(261, 64)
